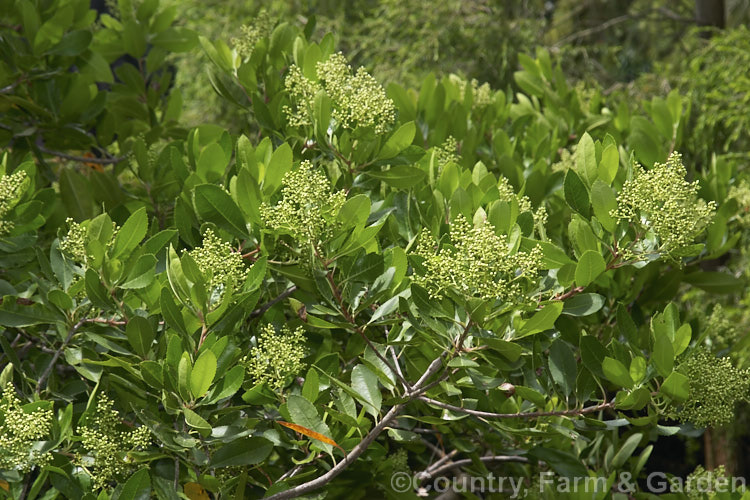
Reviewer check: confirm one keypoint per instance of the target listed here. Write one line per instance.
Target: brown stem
(82, 159)
(535, 414)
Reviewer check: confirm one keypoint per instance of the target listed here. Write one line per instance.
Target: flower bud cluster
(107, 446)
(307, 210)
(722, 329)
(220, 263)
(701, 483)
(446, 153)
(20, 431)
(74, 243)
(358, 100)
(477, 263)
(741, 193)
(11, 188)
(662, 203)
(481, 94)
(715, 387)
(253, 33)
(277, 356)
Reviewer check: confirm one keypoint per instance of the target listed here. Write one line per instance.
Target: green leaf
(131, 233)
(617, 373)
(541, 321)
(583, 304)
(607, 168)
(676, 386)
(176, 39)
(95, 291)
(355, 211)
(562, 366)
(16, 315)
(682, 339)
(365, 384)
(142, 274)
(311, 387)
(399, 176)
(243, 451)
(76, 194)
(140, 335)
(197, 422)
(213, 204)
(302, 412)
(171, 312)
(715, 282)
(399, 141)
(590, 265)
(626, 451)
(280, 164)
(576, 194)
(663, 355)
(604, 201)
(638, 369)
(203, 373)
(137, 487)
(585, 159)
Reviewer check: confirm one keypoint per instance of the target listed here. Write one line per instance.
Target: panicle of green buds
(446, 153)
(506, 193)
(702, 484)
(19, 431)
(741, 193)
(253, 33)
(481, 94)
(302, 93)
(477, 263)
(722, 329)
(308, 208)
(715, 387)
(11, 188)
(277, 356)
(357, 100)
(107, 446)
(217, 260)
(661, 202)
(74, 243)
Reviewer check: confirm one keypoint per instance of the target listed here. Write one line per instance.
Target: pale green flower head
(217, 260)
(11, 189)
(106, 444)
(357, 99)
(716, 386)
(277, 357)
(253, 33)
(20, 431)
(741, 193)
(703, 484)
(477, 263)
(660, 202)
(308, 207)
(74, 242)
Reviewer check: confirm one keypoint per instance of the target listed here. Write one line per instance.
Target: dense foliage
(363, 280)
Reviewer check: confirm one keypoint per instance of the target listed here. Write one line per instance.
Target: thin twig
(467, 461)
(48, 370)
(268, 305)
(82, 159)
(535, 414)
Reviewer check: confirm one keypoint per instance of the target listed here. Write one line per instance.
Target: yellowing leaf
(4, 485)
(311, 434)
(195, 491)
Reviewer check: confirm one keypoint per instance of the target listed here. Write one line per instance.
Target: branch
(268, 305)
(467, 461)
(56, 356)
(364, 444)
(350, 457)
(82, 159)
(535, 414)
